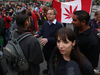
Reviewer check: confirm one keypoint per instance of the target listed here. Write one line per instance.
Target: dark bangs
(65, 33)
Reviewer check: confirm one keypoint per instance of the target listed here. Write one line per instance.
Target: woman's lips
(61, 50)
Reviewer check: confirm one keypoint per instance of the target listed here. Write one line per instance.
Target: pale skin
(97, 18)
(5, 14)
(65, 48)
(43, 41)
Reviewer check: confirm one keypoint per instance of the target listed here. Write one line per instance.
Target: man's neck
(84, 28)
(51, 21)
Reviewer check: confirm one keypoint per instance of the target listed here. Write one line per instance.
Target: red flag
(65, 10)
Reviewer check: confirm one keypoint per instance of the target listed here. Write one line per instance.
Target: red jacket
(35, 21)
(7, 21)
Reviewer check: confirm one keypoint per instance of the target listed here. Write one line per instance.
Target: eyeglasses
(18, 8)
(50, 13)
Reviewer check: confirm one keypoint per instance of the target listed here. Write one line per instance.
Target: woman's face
(65, 47)
(97, 17)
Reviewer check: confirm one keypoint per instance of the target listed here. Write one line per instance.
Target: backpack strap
(24, 35)
(20, 38)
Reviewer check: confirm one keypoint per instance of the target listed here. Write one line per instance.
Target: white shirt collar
(54, 22)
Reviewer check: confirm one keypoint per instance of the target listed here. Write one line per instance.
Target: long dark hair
(75, 55)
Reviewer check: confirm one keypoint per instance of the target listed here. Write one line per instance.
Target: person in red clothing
(33, 19)
(5, 16)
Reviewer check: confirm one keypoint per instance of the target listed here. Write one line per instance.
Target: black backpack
(14, 53)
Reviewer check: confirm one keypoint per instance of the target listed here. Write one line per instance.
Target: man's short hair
(18, 5)
(28, 6)
(82, 15)
(55, 12)
(0, 4)
(21, 19)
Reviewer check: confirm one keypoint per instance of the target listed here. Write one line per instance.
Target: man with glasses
(48, 31)
(18, 11)
(18, 7)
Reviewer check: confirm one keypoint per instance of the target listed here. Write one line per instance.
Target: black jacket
(89, 45)
(86, 68)
(33, 54)
(2, 30)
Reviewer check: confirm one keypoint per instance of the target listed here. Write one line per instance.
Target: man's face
(23, 4)
(18, 8)
(29, 10)
(50, 15)
(28, 23)
(38, 7)
(76, 23)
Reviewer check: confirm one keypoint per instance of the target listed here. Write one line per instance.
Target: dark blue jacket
(48, 31)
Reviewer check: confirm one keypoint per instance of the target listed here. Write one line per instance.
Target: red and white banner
(65, 10)
(43, 0)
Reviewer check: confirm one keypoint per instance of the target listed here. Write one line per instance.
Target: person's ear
(74, 42)
(26, 23)
(83, 22)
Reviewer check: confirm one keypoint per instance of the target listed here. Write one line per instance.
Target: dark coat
(86, 68)
(33, 54)
(48, 31)
(2, 30)
(89, 45)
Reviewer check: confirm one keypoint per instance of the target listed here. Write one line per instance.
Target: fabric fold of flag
(65, 10)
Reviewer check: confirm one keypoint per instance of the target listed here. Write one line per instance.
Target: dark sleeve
(13, 9)
(2, 26)
(40, 33)
(51, 63)
(93, 56)
(7, 8)
(35, 54)
(87, 68)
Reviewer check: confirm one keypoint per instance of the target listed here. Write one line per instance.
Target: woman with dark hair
(67, 50)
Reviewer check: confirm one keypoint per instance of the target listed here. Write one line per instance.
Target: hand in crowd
(11, 11)
(43, 41)
(36, 35)
(97, 21)
(6, 15)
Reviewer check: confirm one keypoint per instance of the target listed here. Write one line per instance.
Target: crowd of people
(60, 44)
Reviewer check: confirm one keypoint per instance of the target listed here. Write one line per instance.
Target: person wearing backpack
(29, 45)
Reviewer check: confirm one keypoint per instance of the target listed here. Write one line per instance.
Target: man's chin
(49, 20)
